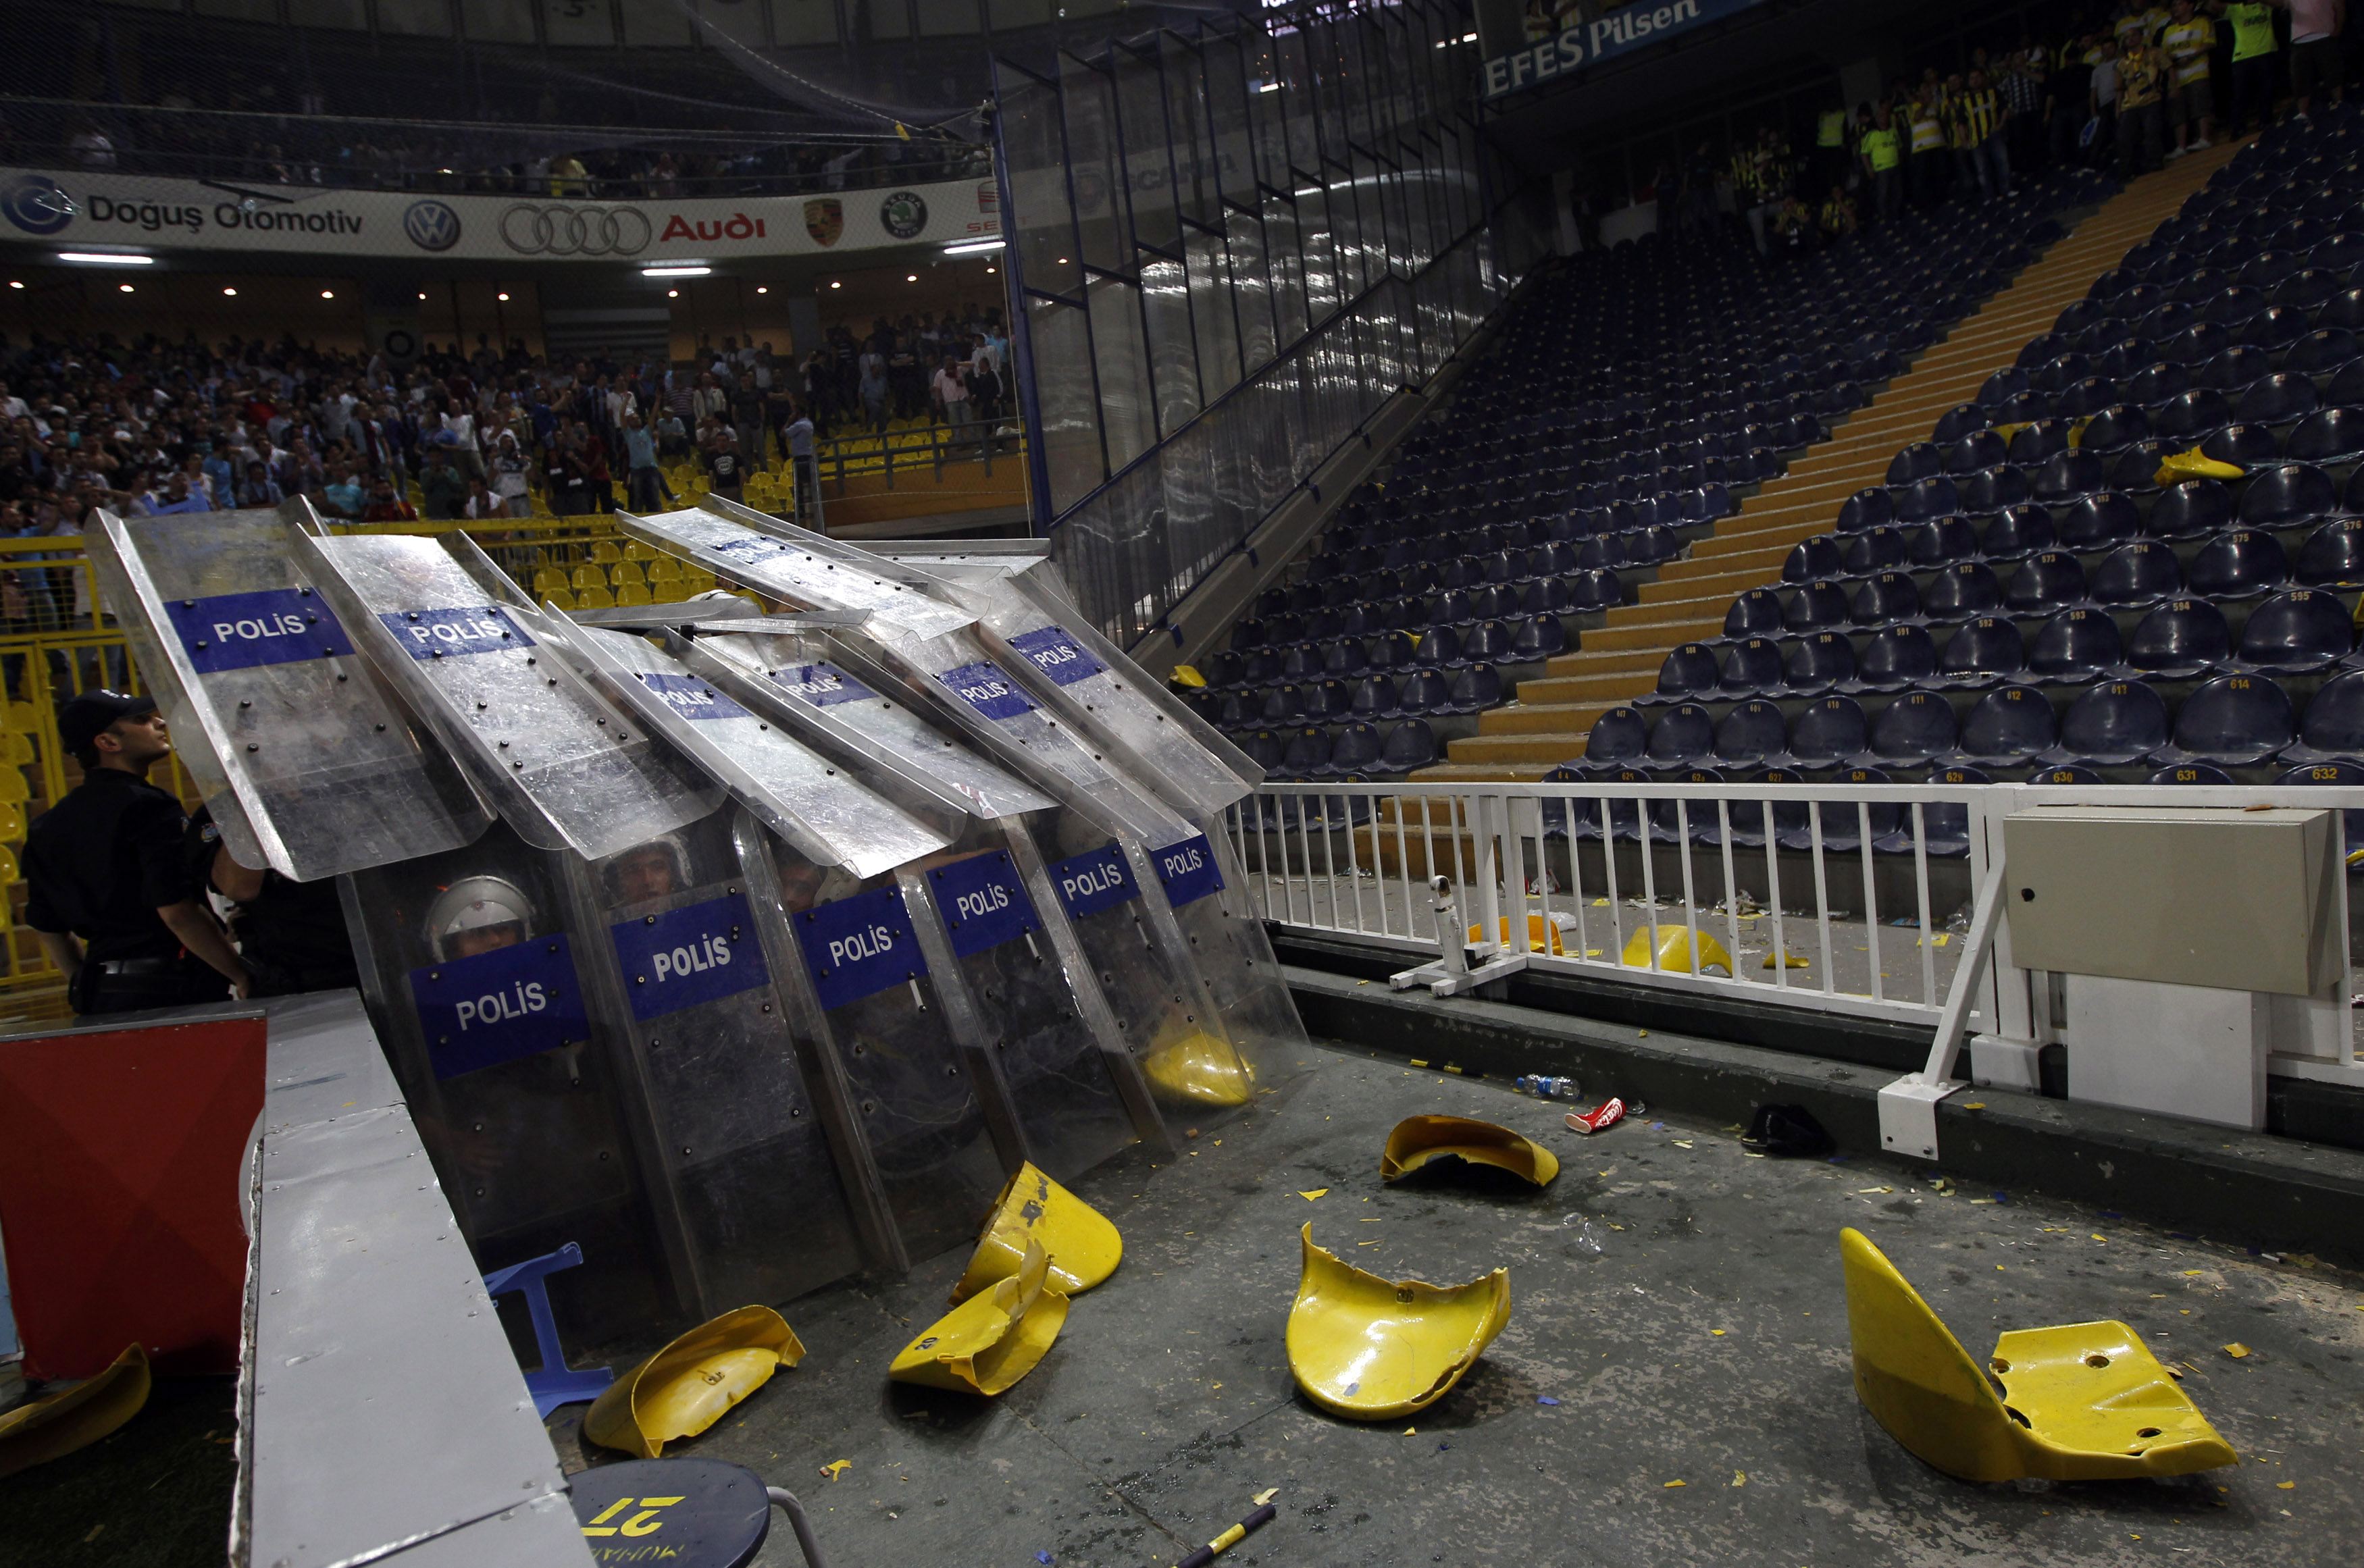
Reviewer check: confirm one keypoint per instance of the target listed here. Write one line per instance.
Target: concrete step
(1588, 661)
(1606, 689)
(1541, 718)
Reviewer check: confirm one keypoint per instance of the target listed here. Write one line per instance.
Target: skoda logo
(431, 224)
(531, 230)
(904, 214)
(38, 206)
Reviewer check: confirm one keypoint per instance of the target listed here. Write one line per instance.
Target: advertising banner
(1587, 44)
(70, 208)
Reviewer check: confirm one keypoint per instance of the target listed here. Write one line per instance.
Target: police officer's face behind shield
(643, 874)
(484, 938)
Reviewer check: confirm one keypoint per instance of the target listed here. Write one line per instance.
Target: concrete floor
(1705, 1341)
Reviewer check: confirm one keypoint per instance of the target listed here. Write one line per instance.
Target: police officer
(111, 902)
(291, 935)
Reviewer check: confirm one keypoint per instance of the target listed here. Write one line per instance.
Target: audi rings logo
(575, 230)
(36, 206)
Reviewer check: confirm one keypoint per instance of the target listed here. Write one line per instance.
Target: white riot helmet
(473, 905)
(670, 847)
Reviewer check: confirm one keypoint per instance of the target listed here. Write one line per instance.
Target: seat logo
(533, 230)
(431, 224)
(38, 206)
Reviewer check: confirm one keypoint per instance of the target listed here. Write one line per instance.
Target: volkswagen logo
(38, 206)
(574, 231)
(431, 224)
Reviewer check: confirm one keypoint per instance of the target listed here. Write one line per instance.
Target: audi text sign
(63, 208)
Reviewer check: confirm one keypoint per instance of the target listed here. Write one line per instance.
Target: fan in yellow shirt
(2191, 96)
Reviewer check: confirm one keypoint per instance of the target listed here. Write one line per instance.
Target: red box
(123, 1164)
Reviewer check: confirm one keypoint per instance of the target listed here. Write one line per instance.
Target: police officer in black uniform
(291, 935)
(111, 902)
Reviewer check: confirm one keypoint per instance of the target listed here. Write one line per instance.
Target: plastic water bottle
(1545, 1087)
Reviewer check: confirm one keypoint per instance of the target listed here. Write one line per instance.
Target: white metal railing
(1591, 878)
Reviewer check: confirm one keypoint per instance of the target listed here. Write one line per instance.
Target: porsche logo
(825, 219)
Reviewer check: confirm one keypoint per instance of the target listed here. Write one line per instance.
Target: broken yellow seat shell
(1084, 1246)
(56, 1424)
(1675, 952)
(1371, 1349)
(1541, 935)
(686, 1387)
(2081, 1402)
(992, 1340)
(1199, 1070)
(1417, 1139)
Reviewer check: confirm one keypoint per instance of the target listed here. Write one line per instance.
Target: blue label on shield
(860, 946)
(823, 685)
(495, 1006)
(983, 903)
(433, 634)
(987, 690)
(702, 952)
(693, 699)
(245, 631)
(1095, 881)
(1060, 656)
(1188, 871)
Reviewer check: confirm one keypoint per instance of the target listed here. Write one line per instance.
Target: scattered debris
(2236, 1350)
(1606, 1115)
(1309, 1196)
(836, 1468)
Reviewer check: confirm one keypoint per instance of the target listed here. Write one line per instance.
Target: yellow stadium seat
(635, 551)
(9, 872)
(594, 598)
(664, 569)
(701, 484)
(548, 580)
(24, 719)
(16, 748)
(633, 594)
(671, 593)
(561, 598)
(605, 552)
(12, 821)
(624, 574)
(588, 577)
(12, 787)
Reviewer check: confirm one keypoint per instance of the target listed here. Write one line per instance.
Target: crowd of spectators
(2128, 88)
(157, 428)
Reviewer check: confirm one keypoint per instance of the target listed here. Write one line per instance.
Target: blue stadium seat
(2243, 446)
(2083, 399)
(2038, 441)
(2069, 477)
(2192, 417)
(2190, 773)
(1960, 420)
(1992, 489)
(1410, 745)
(2069, 774)
(1757, 613)
(2114, 428)
(2328, 435)
(1747, 815)
(2137, 472)
(2181, 638)
(1830, 730)
(1282, 706)
(2009, 725)
(2332, 556)
(1392, 650)
(1476, 689)
(2074, 648)
(2114, 723)
(2292, 496)
(1945, 824)
(2334, 731)
(1941, 543)
(1487, 643)
(2236, 371)
(1439, 649)
(1426, 691)
(2157, 386)
(1753, 734)
(1265, 749)
(1866, 508)
(2233, 721)
(1595, 588)
(2296, 632)
(1873, 552)
(1817, 662)
(1616, 738)
(1896, 658)
(1817, 607)
(1223, 670)
(1374, 698)
(1918, 461)
(1841, 824)
(1327, 701)
(1239, 711)
(1539, 637)
(2098, 522)
(2136, 576)
(1961, 593)
(1812, 560)
(2017, 532)
(2239, 563)
(1357, 753)
(2275, 327)
(1751, 668)
(1968, 455)
(1981, 653)
(1936, 497)
(1689, 671)
(1307, 753)
(1913, 730)
(2193, 508)
(1889, 597)
(1247, 635)
(1345, 659)
(2045, 583)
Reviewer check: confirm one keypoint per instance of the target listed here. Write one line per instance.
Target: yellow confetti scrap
(837, 1468)
(1314, 1193)
(2236, 1350)
(2286, 1485)
(1717, 1332)
(1266, 1496)
(1740, 1478)
(2193, 1273)
(2099, 1237)
(1410, 1431)
(1671, 1484)
(1974, 1105)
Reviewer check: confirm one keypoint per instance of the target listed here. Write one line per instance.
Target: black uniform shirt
(103, 861)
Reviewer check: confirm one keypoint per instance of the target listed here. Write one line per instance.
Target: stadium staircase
(1546, 723)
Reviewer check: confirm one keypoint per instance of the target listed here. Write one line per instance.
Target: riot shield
(904, 1092)
(798, 794)
(1088, 680)
(473, 984)
(744, 1179)
(312, 764)
(450, 631)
